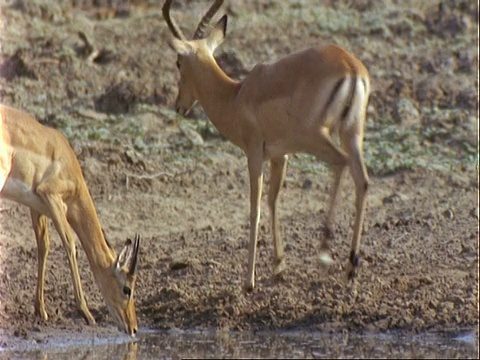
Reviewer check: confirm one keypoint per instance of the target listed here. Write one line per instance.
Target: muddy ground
(106, 78)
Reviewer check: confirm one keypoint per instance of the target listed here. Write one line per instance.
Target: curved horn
(134, 260)
(170, 22)
(199, 33)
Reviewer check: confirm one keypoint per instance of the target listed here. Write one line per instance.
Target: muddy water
(187, 344)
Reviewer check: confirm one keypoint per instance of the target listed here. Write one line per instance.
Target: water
(292, 344)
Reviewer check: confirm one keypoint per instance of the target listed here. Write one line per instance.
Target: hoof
(328, 233)
(351, 274)
(42, 314)
(89, 319)
(352, 268)
(279, 268)
(248, 287)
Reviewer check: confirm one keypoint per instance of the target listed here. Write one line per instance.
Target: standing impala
(38, 168)
(291, 105)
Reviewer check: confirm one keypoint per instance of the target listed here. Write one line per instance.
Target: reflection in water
(113, 350)
(180, 344)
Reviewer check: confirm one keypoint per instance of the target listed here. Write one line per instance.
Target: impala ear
(217, 34)
(127, 259)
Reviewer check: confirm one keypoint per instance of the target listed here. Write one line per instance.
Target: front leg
(278, 168)
(57, 210)
(256, 182)
(40, 227)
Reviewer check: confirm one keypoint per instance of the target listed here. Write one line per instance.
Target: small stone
(448, 214)
(179, 264)
(406, 113)
(326, 259)
(307, 184)
(192, 135)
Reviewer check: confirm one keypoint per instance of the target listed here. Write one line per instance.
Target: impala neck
(216, 92)
(84, 221)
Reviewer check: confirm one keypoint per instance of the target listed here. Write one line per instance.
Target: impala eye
(127, 291)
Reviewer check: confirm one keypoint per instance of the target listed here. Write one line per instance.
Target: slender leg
(256, 183)
(338, 160)
(360, 177)
(40, 227)
(332, 207)
(278, 168)
(57, 211)
(329, 232)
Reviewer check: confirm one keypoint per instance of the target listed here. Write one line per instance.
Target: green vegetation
(389, 147)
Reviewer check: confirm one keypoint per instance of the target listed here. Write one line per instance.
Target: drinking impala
(39, 169)
(291, 105)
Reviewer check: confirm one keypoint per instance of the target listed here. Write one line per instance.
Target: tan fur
(43, 173)
(291, 105)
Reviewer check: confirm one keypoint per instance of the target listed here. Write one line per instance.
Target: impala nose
(133, 332)
(129, 328)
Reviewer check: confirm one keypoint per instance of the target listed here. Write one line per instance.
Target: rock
(466, 99)
(429, 90)
(92, 114)
(92, 167)
(466, 61)
(406, 113)
(179, 264)
(395, 197)
(16, 66)
(192, 135)
(117, 99)
(307, 184)
(448, 214)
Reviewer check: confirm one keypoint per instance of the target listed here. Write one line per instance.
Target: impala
(39, 169)
(292, 105)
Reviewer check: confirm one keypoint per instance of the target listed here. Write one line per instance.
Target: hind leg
(360, 178)
(329, 230)
(338, 161)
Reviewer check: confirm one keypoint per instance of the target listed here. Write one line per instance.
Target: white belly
(22, 193)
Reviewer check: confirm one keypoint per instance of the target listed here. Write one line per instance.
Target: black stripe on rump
(333, 94)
